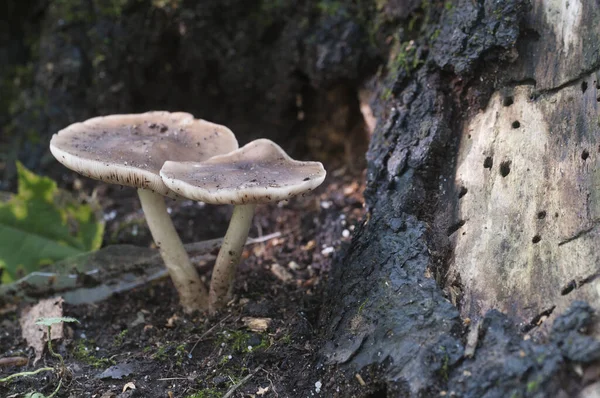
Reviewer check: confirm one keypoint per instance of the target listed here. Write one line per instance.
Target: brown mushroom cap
(131, 149)
(259, 172)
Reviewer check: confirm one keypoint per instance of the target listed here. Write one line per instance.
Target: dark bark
(388, 318)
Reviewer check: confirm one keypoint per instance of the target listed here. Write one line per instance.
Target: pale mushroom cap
(131, 149)
(259, 172)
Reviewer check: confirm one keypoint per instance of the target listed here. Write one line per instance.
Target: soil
(140, 343)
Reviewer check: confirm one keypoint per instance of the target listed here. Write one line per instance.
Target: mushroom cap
(259, 172)
(131, 149)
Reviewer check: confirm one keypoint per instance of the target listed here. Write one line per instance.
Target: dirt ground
(264, 344)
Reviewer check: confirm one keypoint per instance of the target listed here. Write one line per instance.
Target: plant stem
(221, 284)
(192, 292)
(21, 374)
(51, 351)
(57, 388)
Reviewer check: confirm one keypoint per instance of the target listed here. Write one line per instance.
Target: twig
(206, 246)
(207, 333)
(238, 385)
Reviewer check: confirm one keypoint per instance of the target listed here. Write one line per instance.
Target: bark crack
(580, 233)
(571, 82)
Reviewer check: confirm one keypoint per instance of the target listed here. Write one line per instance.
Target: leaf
(49, 321)
(34, 395)
(42, 224)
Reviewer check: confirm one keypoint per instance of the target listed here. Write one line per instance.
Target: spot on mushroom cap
(259, 172)
(130, 149)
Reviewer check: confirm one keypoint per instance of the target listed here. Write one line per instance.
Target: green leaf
(42, 224)
(34, 395)
(49, 321)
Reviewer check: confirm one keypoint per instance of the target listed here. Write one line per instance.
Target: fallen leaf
(262, 391)
(35, 335)
(281, 273)
(13, 361)
(258, 325)
(171, 321)
(128, 386)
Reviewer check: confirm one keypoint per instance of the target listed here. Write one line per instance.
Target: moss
(180, 354)
(406, 58)
(84, 352)
(118, 340)
(208, 393)
(532, 386)
(362, 306)
(161, 353)
(386, 94)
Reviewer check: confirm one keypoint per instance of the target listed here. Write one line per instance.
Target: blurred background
(292, 71)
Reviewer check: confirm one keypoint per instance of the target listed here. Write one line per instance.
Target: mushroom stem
(192, 292)
(221, 283)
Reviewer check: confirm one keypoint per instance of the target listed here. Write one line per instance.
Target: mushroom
(259, 172)
(130, 150)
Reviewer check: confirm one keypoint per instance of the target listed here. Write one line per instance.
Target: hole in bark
(538, 319)
(541, 214)
(583, 86)
(455, 227)
(462, 192)
(488, 162)
(585, 154)
(505, 168)
(568, 288)
(575, 284)
(536, 239)
(508, 101)
(516, 124)
(556, 215)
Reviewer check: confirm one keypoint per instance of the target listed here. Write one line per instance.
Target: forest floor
(139, 343)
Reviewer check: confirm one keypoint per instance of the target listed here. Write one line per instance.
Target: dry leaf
(35, 335)
(281, 273)
(258, 325)
(128, 386)
(171, 321)
(262, 391)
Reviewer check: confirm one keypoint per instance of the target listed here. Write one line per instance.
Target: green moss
(286, 339)
(84, 352)
(237, 342)
(532, 387)
(362, 306)
(406, 59)
(208, 393)
(386, 94)
(180, 354)
(118, 340)
(161, 353)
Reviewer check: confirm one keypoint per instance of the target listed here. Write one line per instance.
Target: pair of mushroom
(175, 155)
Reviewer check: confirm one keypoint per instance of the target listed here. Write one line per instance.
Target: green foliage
(42, 224)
